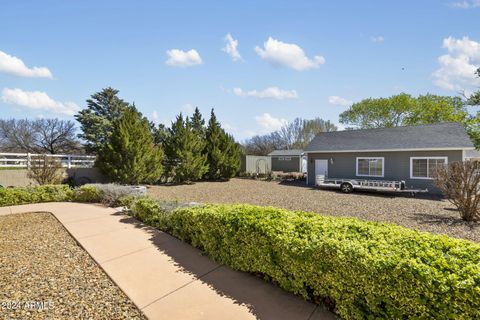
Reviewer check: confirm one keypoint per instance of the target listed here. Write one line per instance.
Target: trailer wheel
(346, 187)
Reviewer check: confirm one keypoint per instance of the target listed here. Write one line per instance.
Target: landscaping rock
(426, 214)
(45, 274)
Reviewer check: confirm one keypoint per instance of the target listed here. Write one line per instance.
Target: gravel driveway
(41, 265)
(433, 215)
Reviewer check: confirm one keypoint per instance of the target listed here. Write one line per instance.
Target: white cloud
(288, 54)
(466, 4)
(180, 58)
(457, 68)
(231, 45)
(38, 100)
(15, 66)
(377, 39)
(268, 93)
(269, 123)
(339, 101)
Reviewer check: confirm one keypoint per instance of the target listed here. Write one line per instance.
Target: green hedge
(367, 270)
(48, 193)
(26, 195)
(87, 193)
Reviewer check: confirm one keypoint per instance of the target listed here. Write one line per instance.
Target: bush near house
(366, 270)
(287, 176)
(460, 183)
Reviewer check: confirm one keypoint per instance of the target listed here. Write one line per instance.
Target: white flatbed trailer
(350, 185)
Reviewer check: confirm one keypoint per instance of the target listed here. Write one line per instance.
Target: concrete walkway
(167, 278)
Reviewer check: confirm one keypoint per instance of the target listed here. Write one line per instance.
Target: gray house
(287, 160)
(401, 153)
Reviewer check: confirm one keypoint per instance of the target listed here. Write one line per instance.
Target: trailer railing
(24, 160)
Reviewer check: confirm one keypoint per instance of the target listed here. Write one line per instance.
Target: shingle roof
(432, 136)
(292, 152)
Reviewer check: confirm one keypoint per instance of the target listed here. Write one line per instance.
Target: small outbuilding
(288, 160)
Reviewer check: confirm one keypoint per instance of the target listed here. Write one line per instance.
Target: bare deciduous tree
(294, 135)
(39, 136)
(45, 170)
(460, 183)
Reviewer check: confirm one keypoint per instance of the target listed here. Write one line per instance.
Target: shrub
(45, 170)
(460, 183)
(146, 209)
(365, 269)
(26, 195)
(112, 193)
(281, 176)
(88, 193)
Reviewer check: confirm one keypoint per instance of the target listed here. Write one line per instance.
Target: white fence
(23, 160)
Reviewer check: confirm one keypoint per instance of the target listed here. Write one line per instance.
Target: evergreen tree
(223, 153)
(129, 155)
(96, 120)
(184, 149)
(197, 123)
(160, 134)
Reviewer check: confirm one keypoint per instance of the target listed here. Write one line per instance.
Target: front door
(321, 168)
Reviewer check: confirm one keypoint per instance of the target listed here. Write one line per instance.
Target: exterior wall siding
(292, 165)
(396, 165)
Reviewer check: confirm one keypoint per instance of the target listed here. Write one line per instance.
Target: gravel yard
(433, 215)
(42, 265)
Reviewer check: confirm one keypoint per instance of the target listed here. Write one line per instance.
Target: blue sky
(291, 59)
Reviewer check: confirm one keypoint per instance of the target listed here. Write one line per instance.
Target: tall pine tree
(223, 153)
(197, 123)
(96, 120)
(129, 155)
(184, 149)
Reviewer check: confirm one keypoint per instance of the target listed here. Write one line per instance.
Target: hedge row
(367, 270)
(108, 194)
(26, 195)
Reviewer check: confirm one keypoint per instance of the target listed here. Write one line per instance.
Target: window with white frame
(424, 167)
(370, 166)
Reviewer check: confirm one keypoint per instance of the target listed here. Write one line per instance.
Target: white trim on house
(307, 170)
(370, 158)
(464, 155)
(389, 150)
(428, 158)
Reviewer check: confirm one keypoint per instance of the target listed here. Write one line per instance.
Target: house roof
(422, 137)
(291, 152)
